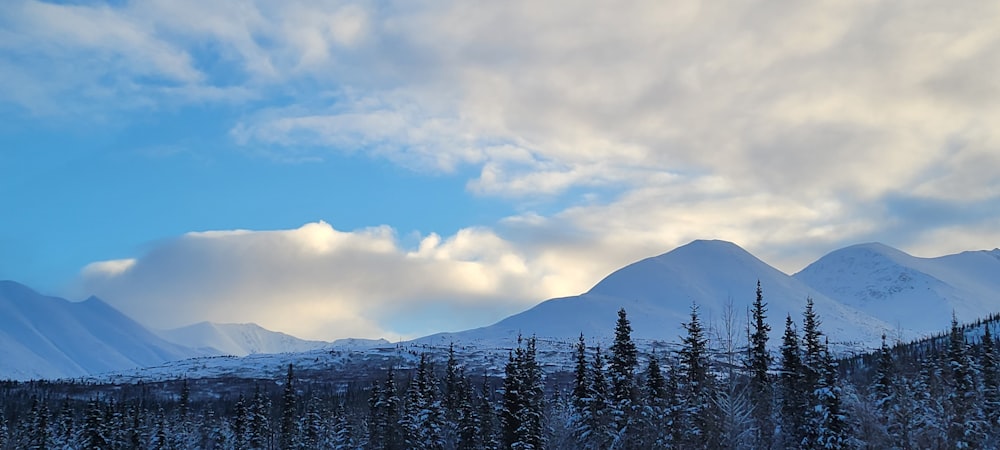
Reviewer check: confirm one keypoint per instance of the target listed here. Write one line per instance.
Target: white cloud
(315, 280)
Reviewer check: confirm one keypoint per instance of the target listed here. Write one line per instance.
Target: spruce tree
(991, 380)
(384, 432)
(581, 382)
(260, 421)
(965, 420)
(758, 363)
(289, 413)
(622, 367)
(93, 432)
(793, 402)
(698, 387)
(240, 423)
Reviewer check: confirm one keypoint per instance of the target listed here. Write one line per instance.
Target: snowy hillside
(49, 337)
(238, 339)
(658, 293)
(915, 293)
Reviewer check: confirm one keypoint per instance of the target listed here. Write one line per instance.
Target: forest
(710, 391)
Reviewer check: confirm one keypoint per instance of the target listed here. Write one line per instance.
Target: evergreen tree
(758, 363)
(469, 429)
(521, 416)
(423, 421)
(830, 424)
(289, 413)
(383, 428)
(991, 380)
(581, 382)
(240, 423)
(697, 387)
(487, 416)
(622, 367)
(965, 420)
(792, 391)
(40, 438)
(311, 425)
(260, 421)
(93, 431)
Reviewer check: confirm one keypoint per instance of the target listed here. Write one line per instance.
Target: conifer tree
(260, 422)
(758, 363)
(240, 423)
(423, 421)
(40, 438)
(697, 387)
(830, 423)
(487, 416)
(581, 382)
(965, 420)
(521, 415)
(469, 429)
(991, 380)
(93, 432)
(622, 368)
(289, 413)
(383, 428)
(792, 391)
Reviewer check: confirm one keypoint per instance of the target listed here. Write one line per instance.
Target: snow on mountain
(238, 339)
(915, 293)
(49, 337)
(658, 292)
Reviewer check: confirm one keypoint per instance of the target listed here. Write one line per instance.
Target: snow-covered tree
(757, 365)
(697, 385)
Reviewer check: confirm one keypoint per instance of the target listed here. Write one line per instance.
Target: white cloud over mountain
(319, 282)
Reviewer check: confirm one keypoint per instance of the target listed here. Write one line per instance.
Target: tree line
(709, 392)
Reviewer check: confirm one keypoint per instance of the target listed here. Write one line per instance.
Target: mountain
(658, 293)
(916, 293)
(238, 339)
(49, 337)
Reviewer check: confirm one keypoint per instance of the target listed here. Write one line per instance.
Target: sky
(395, 168)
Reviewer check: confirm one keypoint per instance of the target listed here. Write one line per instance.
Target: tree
(422, 423)
(793, 400)
(384, 403)
(581, 380)
(697, 387)
(622, 367)
(521, 415)
(289, 414)
(965, 420)
(93, 431)
(260, 423)
(757, 365)
(991, 380)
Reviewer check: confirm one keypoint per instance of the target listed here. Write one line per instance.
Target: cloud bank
(318, 282)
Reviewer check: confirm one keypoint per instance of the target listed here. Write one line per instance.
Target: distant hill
(238, 339)
(49, 337)
(658, 293)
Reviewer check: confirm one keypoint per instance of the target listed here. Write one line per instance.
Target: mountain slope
(238, 339)
(658, 294)
(49, 337)
(918, 293)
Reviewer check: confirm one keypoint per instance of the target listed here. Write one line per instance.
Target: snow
(240, 339)
(657, 293)
(916, 294)
(49, 337)
(859, 293)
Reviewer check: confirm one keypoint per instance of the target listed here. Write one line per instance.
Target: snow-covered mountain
(915, 293)
(49, 337)
(238, 339)
(658, 293)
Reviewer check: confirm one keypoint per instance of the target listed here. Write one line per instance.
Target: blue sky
(344, 168)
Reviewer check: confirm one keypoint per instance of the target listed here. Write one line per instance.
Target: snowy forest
(721, 390)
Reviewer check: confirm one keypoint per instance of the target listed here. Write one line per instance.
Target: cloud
(316, 281)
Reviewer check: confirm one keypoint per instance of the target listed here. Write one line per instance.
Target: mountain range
(860, 292)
